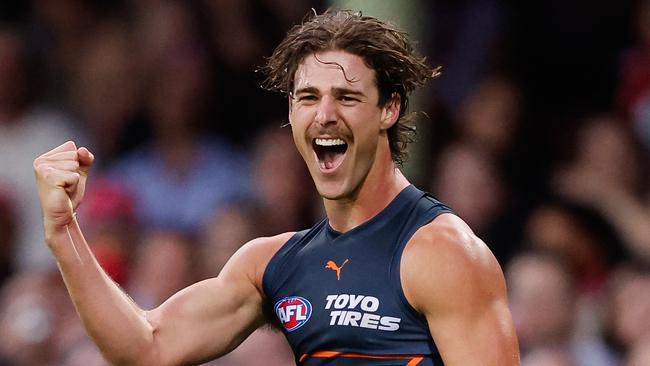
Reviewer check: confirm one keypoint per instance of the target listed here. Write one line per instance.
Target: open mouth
(330, 152)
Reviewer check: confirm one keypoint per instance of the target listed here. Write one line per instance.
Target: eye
(348, 99)
(307, 98)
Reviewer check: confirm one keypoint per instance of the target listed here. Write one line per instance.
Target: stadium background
(537, 134)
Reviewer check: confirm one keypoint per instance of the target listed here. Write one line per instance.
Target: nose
(326, 112)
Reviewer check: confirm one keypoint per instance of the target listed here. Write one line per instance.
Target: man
(391, 276)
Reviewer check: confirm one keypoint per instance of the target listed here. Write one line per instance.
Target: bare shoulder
(445, 263)
(255, 255)
(263, 247)
(451, 277)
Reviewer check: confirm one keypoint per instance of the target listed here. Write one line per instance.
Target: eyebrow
(335, 91)
(308, 89)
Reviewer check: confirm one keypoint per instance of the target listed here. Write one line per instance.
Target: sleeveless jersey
(339, 297)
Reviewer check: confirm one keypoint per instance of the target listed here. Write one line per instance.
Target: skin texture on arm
(200, 322)
(452, 278)
(214, 316)
(203, 321)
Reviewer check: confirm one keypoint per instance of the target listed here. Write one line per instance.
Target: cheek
(299, 117)
(298, 135)
(367, 134)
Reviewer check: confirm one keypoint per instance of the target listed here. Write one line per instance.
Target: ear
(390, 112)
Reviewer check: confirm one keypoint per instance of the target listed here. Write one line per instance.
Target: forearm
(118, 326)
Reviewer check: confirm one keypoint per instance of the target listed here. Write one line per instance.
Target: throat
(367, 202)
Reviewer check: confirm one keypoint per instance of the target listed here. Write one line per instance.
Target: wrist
(55, 228)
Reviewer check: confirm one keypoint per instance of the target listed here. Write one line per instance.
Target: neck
(372, 197)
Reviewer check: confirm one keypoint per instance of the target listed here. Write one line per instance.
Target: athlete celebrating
(390, 276)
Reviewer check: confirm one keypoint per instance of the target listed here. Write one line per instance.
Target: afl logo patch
(293, 312)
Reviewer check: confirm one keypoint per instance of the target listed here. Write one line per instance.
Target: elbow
(147, 348)
(136, 354)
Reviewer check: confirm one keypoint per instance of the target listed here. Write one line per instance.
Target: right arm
(203, 321)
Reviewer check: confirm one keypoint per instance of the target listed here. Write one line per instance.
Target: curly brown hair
(399, 69)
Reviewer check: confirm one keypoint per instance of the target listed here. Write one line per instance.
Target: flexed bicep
(212, 317)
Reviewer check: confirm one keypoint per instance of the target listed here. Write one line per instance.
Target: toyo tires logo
(293, 312)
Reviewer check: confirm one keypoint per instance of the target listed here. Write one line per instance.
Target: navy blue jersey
(339, 297)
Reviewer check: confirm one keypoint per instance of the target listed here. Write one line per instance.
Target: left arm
(452, 278)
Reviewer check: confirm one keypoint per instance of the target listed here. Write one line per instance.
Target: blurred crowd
(537, 134)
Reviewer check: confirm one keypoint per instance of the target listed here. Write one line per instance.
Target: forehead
(334, 69)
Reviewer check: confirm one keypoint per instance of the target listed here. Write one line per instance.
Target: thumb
(86, 159)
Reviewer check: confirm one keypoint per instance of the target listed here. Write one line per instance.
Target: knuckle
(47, 172)
(41, 169)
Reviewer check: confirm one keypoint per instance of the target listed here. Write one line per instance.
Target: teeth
(329, 142)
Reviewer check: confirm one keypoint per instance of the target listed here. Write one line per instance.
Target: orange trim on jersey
(414, 359)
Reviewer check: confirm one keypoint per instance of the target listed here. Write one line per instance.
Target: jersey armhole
(276, 261)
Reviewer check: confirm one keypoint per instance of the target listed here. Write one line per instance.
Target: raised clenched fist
(61, 179)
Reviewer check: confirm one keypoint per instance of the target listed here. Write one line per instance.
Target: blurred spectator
(489, 116)
(465, 39)
(468, 180)
(543, 300)
(235, 36)
(163, 265)
(179, 177)
(605, 155)
(629, 308)
(634, 84)
(166, 30)
(244, 31)
(230, 226)
(72, 346)
(27, 129)
(547, 356)
(224, 232)
(591, 249)
(106, 90)
(281, 183)
(30, 318)
(579, 235)
(7, 235)
(639, 354)
(83, 353)
(62, 29)
(488, 121)
(607, 173)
